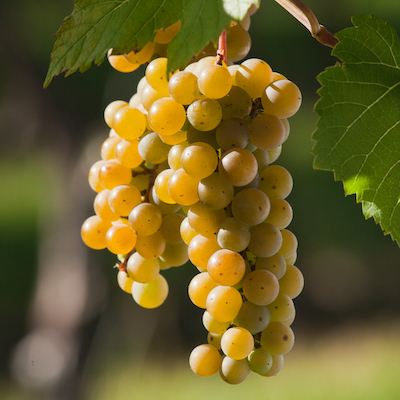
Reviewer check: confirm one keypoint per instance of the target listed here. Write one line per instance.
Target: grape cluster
(188, 173)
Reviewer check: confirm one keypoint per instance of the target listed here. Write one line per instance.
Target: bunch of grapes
(188, 173)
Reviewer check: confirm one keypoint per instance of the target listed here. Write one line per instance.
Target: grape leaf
(95, 26)
(358, 132)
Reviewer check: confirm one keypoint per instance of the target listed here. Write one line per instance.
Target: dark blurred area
(60, 305)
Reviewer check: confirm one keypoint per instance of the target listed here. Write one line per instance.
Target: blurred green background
(68, 332)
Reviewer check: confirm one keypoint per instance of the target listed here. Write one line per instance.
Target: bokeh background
(68, 332)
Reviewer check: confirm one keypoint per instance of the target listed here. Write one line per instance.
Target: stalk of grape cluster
(188, 172)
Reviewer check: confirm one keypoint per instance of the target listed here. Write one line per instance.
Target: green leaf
(358, 132)
(95, 26)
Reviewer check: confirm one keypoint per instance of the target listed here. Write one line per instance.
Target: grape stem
(221, 52)
(122, 265)
(304, 15)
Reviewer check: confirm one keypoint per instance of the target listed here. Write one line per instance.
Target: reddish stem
(222, 49)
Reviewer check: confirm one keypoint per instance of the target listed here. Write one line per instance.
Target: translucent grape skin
(205, 360)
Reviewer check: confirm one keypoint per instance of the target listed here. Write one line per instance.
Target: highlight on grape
(188, 173)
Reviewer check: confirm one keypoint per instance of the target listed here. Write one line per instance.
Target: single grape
(93, 232)
(261, 287)
(234, 371)
(237, 343)
(141, 269)
(204, 114)
(151, 294)
(238, 167)
(226, 267)
(281, 98)
(205, 360)
(277, 338)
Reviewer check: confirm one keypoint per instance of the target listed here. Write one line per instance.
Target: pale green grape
(265, 241)
(282, 308)
(182, 87)
(141, 56)
(108, 146)
(289, 244)
(253, 76)
(161, 186)
(174, 155)
(150, 246)
(281, 213)
(275, 264)
(101, 207)
(199, 160)
(253, 317)
(151, 294)
(141, 269)
(261, 287)
(214, 81)
(204, 114)
(238, 167)
(125, 282)
(226, 267)
(175, 254)
(262, 157)
(202, 63)
(276, 182)
(233, 235)
(156, 73)
(237, 103)
(234, 371)
(127, 153)
(237, 343)
(274, 154)
(214, 326)
(166, 116)
(145, 219)
(120, 239)
(205, 360)
(233, 133)
(281, 98)
(250, 206)
(277, 364)
(123, 198)
(170, 228)
(292, 282)
(199, 287)
(129, 123)
(194, 136)
(277, 338)
(183, 188)
(205, 220)
(175, 138)
(267, 132)
(223, 303)
(215, 192)
(186, 231)
(214, 339)
(164, 36)
(238, 43)
(260, 361)
(290, 320)
(200, 249)
(120, 63)
(112, 174)
(165, 208)
(149, 95)
(152, 149)
(93, 232)
(111, 109)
